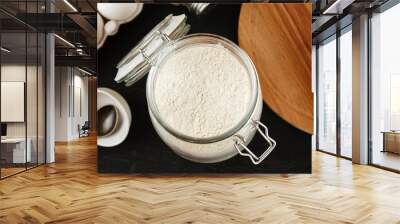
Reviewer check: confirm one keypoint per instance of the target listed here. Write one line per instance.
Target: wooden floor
(8, 171)
(5, 172)
(387, 159)
(71, 191)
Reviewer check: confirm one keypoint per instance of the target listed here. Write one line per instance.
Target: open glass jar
(210, 149)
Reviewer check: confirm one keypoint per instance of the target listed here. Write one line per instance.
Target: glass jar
(203, 150)
(231, 142)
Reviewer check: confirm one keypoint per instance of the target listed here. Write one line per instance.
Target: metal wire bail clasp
(244, 151)
(163, 36)
(145, 56)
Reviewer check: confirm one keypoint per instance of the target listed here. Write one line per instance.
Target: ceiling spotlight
(5, 49)
(65, 41)
(70, 5)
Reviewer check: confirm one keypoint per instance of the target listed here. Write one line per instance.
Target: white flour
(202, 90)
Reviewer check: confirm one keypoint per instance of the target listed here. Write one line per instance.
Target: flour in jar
(202, 90)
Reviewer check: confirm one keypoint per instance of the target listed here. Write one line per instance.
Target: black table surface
(143, 151)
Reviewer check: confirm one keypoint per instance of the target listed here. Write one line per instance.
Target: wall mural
(204, 88)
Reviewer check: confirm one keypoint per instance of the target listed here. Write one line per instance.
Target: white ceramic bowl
(116, 14)
(100, 30)
(123, 12)
(109, 97)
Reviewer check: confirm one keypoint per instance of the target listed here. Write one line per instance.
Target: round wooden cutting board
(278, 39)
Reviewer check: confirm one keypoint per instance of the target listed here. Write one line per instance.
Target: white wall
(17, 73)
(80, 83)
(33, 126)
(61, 103)
(69, 82)
(12, 73)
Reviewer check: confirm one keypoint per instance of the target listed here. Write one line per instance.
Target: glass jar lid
(139, 60)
